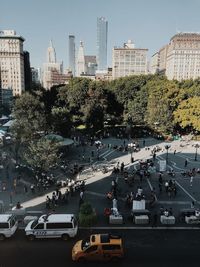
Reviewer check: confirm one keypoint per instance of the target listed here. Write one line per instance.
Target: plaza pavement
(97, 183)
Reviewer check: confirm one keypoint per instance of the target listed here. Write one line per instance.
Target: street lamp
(196, 146)
(167, 148)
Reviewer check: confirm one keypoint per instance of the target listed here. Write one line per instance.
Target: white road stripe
(186, 192)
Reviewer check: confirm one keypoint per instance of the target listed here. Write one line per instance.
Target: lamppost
(196, 146)
(167, 148)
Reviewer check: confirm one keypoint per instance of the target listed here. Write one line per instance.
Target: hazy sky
(149, 23)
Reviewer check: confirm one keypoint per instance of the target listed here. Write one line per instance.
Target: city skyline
(149, 24)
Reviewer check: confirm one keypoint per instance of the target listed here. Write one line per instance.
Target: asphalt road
(143, 248)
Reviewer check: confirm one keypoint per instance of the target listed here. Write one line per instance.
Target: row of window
(104, 247)
(54, 226)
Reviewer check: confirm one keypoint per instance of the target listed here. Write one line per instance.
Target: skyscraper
(12, 61)
(80, 60)
(72, 54)
(102, 32)
(50, 68)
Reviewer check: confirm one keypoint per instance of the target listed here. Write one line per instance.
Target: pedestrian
(166, 186)
(154, 156)
(175, 152)
(191, 180)
(48, 202)
(144, 143)
(32, 188)
(186, 163)
(25, 189)
(81, 195)
(192, 205)
(18, 205)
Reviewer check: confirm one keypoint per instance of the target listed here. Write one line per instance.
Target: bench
(167, 219)
(141, 219)
(192, 219)
(115, 219)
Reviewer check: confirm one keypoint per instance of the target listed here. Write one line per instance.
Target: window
(59, 225)
(12, 222)
(39, 226)
(91, 249)
(4, 225)
(111, 247)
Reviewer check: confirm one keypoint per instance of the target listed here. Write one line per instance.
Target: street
(143, 248)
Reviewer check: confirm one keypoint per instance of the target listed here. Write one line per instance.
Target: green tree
(42, 155)
(29, 120)
(188, 113)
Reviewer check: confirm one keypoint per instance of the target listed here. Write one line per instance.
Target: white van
(52, 226)
(8, 225)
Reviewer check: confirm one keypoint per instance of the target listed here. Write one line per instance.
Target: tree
(188, 113)
(29, 117)
(29, 120)
(61, 121)
(42, 155)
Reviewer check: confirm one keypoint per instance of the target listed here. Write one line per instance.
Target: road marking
(151, 187)
(186, 192)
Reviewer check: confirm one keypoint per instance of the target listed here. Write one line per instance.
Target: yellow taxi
(98, 247)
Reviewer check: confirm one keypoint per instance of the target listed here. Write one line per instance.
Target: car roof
(105, 239)
(5, 217)
(56, 218)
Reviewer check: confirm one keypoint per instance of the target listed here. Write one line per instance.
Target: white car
(52, 226)
(8, 226)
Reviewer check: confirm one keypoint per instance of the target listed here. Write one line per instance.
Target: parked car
(8, 225)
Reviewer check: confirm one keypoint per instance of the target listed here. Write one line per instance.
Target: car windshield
(34, 224)
(85, 243)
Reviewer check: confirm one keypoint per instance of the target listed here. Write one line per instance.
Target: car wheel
(65, 237)
(2, 237)
(31, 237)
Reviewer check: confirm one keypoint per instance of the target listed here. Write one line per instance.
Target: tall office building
(102, 34)
(129, 60)
(50, 68)
(27, 71)
(12, 61)
(72, 54)
(80, 61)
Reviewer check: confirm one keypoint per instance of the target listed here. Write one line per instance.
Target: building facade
(154, 66)
(36, 75)
(90, 65)
(72, 54)
(180, 59)
(102, 37)
(80, 65)
(183, 57)
(50, 68)
(12, 61)
(27, 71)
(129, 61)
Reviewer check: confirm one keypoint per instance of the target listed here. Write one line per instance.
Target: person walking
(186, 163)
(191, 180)
(144, 143)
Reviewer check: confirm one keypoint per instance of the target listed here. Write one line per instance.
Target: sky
(148, 23)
